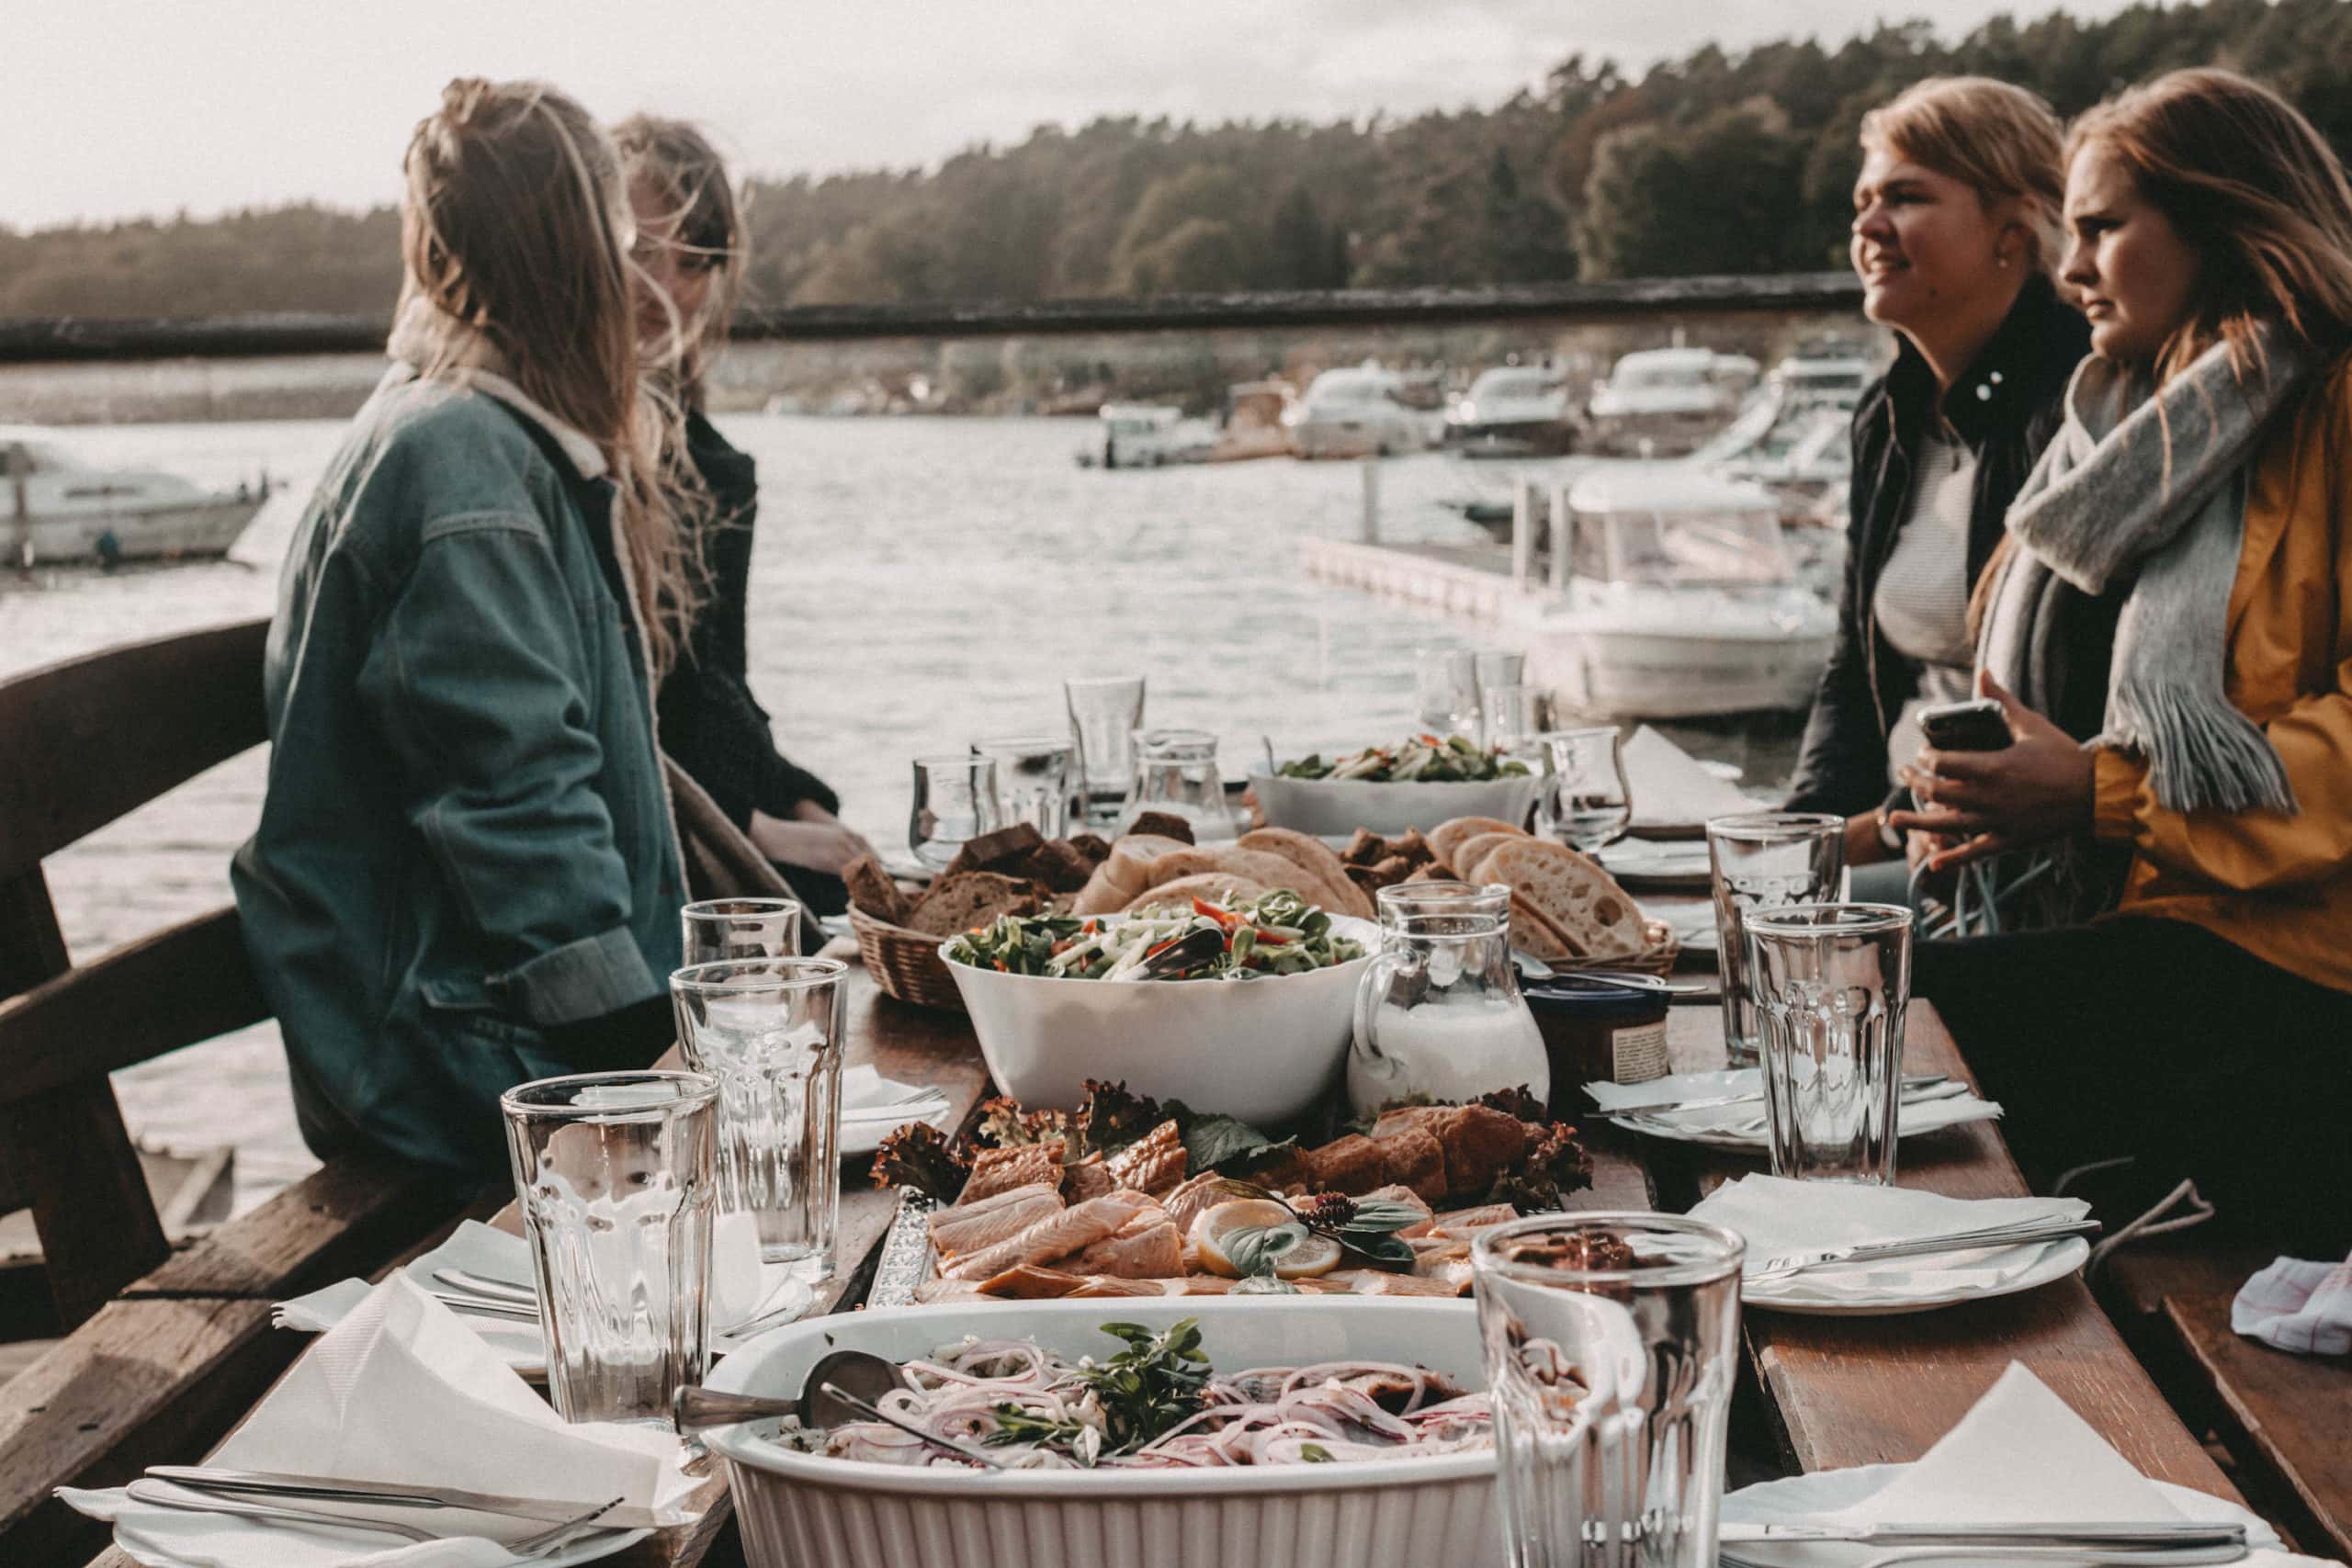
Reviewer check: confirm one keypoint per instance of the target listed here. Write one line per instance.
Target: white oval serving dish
(1337, 808)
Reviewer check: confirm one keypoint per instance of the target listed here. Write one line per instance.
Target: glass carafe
(1438, 1012)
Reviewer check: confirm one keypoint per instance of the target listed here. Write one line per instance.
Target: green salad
(1274, 934)
(1424, 759)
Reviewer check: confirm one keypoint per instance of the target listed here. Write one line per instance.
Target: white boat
(59, 507)
(1358, 411)
(1832, 374)
(1148, 435)
(1682, 600)
(1512, 411)
(1791, 445)
(1665, 401)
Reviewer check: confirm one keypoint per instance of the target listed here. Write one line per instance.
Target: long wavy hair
(517, 228)
(677, 163)
(2254, 191)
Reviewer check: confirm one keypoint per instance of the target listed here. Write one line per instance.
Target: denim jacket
(466, 840)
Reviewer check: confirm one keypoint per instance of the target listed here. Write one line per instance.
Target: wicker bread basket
(905, 963)
(1656, 958)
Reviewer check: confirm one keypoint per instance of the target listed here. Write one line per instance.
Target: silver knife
(330, 1489)
(2093, 1535)
(1913, 1083)
(1920, 1247)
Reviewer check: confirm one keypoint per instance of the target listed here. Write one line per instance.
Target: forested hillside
(1713, 162)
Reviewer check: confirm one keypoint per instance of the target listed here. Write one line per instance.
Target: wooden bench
(162, 1352)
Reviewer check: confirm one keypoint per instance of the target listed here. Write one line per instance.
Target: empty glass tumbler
(1033, 780)
(954, 800)
(772, 1032)
(1176, 773)
(719, 929)
(1764, 860)
(1610, 1343)
(1446, 690)
(617, 1177)
(1831, 983)
(1587, 800)
(1104, 713)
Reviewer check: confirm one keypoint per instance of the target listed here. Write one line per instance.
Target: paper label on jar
(1637, 1053)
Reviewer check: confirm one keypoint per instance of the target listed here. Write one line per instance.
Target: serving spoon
(842, 1386)
(1196, 946)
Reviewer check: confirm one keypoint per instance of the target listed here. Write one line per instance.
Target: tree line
(1713, 162)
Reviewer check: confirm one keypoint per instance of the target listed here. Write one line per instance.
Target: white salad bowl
(1261, 1049)
(805, 1510)
(1337, 808)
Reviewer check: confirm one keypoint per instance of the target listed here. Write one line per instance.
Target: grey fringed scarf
(2152, 486)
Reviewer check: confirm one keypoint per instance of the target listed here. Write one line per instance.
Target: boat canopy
(1672, 524)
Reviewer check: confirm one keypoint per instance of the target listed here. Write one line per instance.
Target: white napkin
(400, 1390)
(2298, 1306)
(1743, 1122)
(1780, 1217)
(740, 1285)
(1670, 788)
(2020, 1456)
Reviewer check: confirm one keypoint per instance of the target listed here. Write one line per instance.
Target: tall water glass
(1176, 773)
(617, 1175)
(1445, 683)
(1610, 1342)
(1033, 780)
(1832, 982)
(1587, 799)
(954, 800)
(1511, 722)
(1104, 713)
(1764, 860)
(1495, 668)
(718, 929)
(773, 1032)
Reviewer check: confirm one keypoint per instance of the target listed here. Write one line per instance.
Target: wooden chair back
(82, 743)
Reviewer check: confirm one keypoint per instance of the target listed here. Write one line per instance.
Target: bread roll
(1317, 862)
(1448, 837)
(1574, 894)
(1267, 871)
(1124, 873)
(1216, 886)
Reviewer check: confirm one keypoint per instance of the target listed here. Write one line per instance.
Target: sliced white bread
(1470, 860)
(1318, 862)
(1448, 837)
(1535, 935)
(1578, 898)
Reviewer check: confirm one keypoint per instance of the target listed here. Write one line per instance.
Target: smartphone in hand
(1978, 725)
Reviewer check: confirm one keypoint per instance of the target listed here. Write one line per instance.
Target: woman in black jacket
(1955, 230)
(690, 247)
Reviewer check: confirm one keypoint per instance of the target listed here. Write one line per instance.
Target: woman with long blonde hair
(691, 242)
(2200, 1036)
(465, 873)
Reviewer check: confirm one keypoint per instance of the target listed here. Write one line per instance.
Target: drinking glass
(718, 929)
(772, 1032)
(1587, 801)
(1511, 721)
(1831, 983)
(1764, 860)
(1446, 690)
(1104, 713)
(954, 800)
(1033, 780)
(1610, 1340)
(1495, 668)
(1176, 773)
(617, 1177)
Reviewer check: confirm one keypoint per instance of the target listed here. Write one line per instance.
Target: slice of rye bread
(872, 890)
(1316, 859)
(1448, 837)
(996, 850)
(1216, 886)
(1470, 858)
(1161, 824)
(959, 903)
(1574, 894)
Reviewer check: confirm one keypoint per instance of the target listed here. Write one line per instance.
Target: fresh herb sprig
(1155, 1383)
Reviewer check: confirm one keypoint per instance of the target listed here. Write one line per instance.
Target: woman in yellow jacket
(2202, 1027)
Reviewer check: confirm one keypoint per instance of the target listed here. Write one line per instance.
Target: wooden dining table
(1837, 1392)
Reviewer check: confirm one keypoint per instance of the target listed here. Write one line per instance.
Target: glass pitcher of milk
(1438, 1012)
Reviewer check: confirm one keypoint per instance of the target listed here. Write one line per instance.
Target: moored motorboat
(1358, 411)
(1664, 401)
(1511, 411)
(61, 507)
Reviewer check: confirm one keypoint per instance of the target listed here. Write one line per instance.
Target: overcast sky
(117, 107)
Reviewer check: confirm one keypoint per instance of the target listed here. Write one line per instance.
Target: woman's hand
(2039, 788)
(819, 842)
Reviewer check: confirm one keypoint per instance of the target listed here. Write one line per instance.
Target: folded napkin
(740, 1285)
(2020, 1456)
(1743, 1122)
(2298, 1306)
(402, 1390)
(1670, 787)
(1778, 1216)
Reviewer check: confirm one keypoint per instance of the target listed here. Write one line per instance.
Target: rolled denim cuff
(597, 974)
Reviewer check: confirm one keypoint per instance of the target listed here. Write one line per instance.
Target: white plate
(1803, 1499)
(863, 1136)
(1928, 1116)
(1638, 862)
(2058, 1259)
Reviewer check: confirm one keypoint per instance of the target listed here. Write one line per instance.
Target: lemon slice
(1302, 1258)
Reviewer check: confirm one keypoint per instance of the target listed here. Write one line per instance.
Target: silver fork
(1916, 1246)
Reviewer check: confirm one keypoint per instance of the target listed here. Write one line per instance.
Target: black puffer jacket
(2007, 407)
(711, 725)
